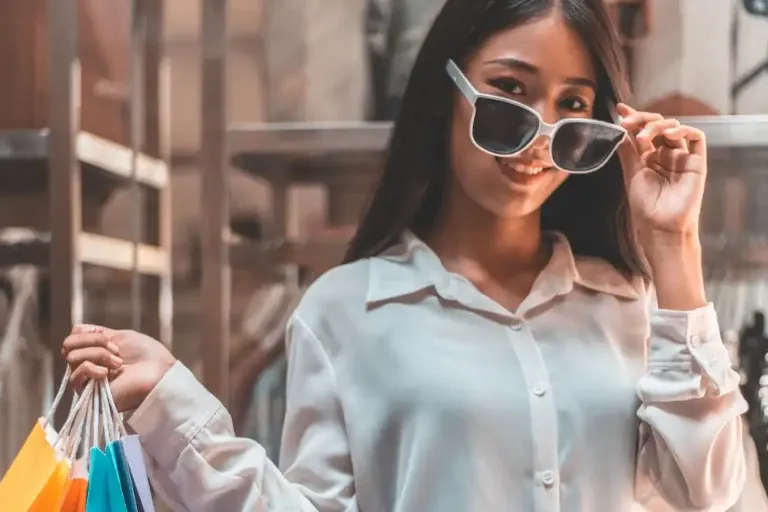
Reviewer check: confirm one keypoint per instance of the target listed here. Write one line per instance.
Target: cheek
(473, 169)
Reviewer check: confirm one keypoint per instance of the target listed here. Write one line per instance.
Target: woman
(487, 346)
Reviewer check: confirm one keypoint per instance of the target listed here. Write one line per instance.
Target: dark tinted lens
(501, 127)
(584, 147)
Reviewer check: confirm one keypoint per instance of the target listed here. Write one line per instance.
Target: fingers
(648, 135)
(87, 328)
(672, 159)
(634, 120)
(85, 372)
(95, 355)
(695, 138)
(91, 354)
(90, 339)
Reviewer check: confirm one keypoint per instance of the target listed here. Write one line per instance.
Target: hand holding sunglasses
(665, 165)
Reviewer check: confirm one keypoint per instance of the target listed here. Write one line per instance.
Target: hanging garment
(264, 324)
(26, 365)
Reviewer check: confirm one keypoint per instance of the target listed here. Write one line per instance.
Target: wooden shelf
(24, 157)
(94, 249)
(310, 152)
(318, 254)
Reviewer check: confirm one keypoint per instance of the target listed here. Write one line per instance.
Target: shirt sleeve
(690, 449)
(199, 463)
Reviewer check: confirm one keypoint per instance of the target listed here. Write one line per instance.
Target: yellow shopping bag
(35, 464)
(37, 480)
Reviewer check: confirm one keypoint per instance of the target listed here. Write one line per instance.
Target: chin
(513, 205)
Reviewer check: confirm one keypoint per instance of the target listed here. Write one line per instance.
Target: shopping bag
(105, 491)
(68, 495)
(129, 458)
(134, 456)
(74, 501)
(37, 478)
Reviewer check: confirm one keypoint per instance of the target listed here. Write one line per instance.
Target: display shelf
(24, 157)
(102, 251)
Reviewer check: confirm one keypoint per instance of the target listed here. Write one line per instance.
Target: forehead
(548, 43)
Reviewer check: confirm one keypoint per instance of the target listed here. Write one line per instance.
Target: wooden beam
(215, 202)
(65, 193)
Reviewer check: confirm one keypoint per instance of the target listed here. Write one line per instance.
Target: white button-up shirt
(411, 391)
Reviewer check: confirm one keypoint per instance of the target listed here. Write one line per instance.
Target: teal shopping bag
(105, 492)
(129, 461)
(105, 489)
(115, 451)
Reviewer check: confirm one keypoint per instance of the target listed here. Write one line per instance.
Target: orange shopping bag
(74, 501)
(38, 476)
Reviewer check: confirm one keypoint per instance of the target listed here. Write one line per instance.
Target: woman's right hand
(134, 362)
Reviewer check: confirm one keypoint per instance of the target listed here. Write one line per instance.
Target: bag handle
(106, 414)
(57, 399)
(120, 428)
(72, 430)
(82, 401)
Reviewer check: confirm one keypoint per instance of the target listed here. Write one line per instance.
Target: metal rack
(79, 171)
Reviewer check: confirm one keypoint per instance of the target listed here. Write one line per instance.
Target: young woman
(492, 342)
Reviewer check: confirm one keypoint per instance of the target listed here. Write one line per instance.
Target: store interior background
(299, 61)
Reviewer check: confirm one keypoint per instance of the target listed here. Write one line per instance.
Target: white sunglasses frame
(471, 94)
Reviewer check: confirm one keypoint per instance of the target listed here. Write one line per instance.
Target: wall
(690, 52)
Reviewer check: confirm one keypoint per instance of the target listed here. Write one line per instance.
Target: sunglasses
(503, 127)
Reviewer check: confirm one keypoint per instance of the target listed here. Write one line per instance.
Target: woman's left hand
(665, 165)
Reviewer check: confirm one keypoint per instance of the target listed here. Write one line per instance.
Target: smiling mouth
(519, 168)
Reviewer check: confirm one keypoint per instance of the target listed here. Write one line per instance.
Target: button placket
(543, 417)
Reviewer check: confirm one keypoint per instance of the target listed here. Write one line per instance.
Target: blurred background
(186, 167)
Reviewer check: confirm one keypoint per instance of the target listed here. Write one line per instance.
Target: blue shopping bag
(129, 460)
(115, 451)
(134, 457)
(105, 489)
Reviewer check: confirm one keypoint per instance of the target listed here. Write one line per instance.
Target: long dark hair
(591, 210)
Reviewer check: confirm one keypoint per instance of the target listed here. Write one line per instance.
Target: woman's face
(545, 65)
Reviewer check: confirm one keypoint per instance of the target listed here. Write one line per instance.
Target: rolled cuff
(173, 414)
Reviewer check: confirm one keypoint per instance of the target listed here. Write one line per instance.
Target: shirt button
(695, 340)
(516, 324)
(539, 390)
(548, 479)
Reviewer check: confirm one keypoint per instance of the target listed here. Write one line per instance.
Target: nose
(541, 143)
(547, 110)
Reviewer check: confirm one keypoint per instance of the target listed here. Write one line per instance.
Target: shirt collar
(411, 266)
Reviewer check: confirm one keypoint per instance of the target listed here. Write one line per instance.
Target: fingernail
(113, 348)
(87, 328)
(116, 361)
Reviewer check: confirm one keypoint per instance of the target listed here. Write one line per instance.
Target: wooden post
(215, 202)
(64, 186)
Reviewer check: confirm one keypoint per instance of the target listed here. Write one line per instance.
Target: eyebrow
(530, 68)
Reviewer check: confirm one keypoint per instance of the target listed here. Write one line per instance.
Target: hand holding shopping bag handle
(135, 363)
